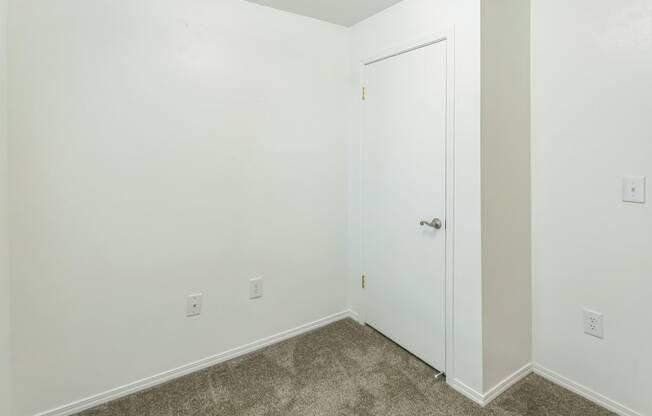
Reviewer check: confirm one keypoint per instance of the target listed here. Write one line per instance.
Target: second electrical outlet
(193, 304)
(256, 288)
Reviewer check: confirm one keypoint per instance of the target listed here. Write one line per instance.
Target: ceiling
(341, 12)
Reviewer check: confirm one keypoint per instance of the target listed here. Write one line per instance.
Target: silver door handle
(435, 223)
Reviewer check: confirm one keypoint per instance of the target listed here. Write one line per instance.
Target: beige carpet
(342, 369)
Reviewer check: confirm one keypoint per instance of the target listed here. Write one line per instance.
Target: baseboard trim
(466, 391)
(504, 385)
(500, 388)
(355, 316)
(166, 376)
(585, 392)
(484, 399)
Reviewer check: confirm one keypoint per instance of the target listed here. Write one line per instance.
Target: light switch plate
(634, 189)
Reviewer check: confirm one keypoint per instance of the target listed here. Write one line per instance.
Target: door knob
(435, 223)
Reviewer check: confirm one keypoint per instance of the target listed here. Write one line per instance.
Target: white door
(404, 183)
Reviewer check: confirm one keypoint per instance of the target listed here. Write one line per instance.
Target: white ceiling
(342, 12)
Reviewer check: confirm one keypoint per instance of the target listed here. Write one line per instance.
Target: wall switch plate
(593, 323)
(634, 189)
(193, 305)
(256, 288)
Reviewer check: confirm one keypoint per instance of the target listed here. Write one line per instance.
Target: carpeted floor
(340, 370)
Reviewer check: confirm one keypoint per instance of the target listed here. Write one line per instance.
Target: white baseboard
(157, 379)
(501, 387)
(497, 390)
(355, 316)
(466, 391)
(585, 392)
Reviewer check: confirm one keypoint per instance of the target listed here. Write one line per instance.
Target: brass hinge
(364, 281)
(364, 93)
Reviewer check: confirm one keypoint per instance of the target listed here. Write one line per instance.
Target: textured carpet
(342, 369)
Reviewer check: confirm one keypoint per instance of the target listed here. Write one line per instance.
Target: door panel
(404, 182)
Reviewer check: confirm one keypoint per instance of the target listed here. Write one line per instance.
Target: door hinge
(364, 93)
(364, 281)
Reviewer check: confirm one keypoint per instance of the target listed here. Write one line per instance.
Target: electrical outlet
(256, 288)
(193, 305)
(593, 323)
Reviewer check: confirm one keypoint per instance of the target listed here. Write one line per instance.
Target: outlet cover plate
(593, 323)
(634, 189)
(256, 288)
(193, 304)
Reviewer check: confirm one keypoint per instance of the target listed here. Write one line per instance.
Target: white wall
(591, 124)
(506, 191)
(5, 350)
(408, 21)
(163, 148)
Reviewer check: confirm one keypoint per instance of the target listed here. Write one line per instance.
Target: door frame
(390, 51)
